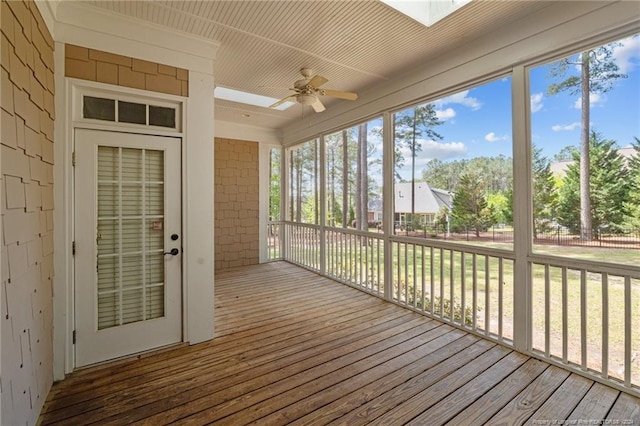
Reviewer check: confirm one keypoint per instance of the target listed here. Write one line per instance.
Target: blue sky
(477, 122)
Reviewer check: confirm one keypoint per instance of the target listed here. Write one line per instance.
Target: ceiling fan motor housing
(306, 99)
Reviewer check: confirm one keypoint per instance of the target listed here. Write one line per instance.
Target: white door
(127, 243)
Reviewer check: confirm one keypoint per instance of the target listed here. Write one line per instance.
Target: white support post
(522, 210)
(321, 206)
(387, 201)
(284, 202)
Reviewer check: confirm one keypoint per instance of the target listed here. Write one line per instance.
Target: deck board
(292, 347)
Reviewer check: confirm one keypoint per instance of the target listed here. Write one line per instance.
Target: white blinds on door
(130, 235)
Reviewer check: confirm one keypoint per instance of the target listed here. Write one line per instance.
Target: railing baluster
(378, 264)
(583, 318)
(500, 295)
(605, 325)
(423, 280)
(547, 316)
(415, 274)
(463, 283)
(406, 274)
(627, 331)
(441, 283)
(565, 321)
(432, 283)
(451, 284)
(487, 297)
(475, 292)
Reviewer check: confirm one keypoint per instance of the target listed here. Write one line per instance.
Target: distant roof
(427, 199)
(560, 167)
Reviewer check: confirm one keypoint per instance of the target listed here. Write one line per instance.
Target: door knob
(173, 252)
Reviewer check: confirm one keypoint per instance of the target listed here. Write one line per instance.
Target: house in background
(428, 202)
(125, 183)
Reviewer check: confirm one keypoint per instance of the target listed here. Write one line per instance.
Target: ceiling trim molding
(230, 130)
(93, 27)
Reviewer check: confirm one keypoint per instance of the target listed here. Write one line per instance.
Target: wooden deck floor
(296, 348)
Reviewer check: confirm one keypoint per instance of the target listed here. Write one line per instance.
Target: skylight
(427, 12)
(248, 98)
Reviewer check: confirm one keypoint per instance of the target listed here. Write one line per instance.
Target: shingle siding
(236, 203)
(27, 211)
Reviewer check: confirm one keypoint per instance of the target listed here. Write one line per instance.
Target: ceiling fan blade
(281, 101)
(317, 106)
(338, 94)
(317, 81)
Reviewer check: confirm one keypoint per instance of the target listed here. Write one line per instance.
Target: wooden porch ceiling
(297, 348)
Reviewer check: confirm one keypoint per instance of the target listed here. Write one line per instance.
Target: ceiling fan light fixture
(306, 99)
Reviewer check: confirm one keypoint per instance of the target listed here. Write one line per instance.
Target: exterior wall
(104, 67)
(27, 212)
(236, 203)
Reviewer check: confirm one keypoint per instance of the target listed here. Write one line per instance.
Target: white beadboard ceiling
(356, 44)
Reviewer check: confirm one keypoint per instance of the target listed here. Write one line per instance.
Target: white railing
(582, 315)
(471, 287)
(274, 241)
(302, 245)
(586, 317)
(355, 258)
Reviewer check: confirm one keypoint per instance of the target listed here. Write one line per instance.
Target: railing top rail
(302, 224)
(367, 234)
(588, 265)
(468, 248)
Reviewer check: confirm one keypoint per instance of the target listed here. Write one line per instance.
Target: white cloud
(445, 114)
(492, 137)
(536, 102)
(462, 99)
(566, 127)
(627, 56)
(432, 149)
(594, 100)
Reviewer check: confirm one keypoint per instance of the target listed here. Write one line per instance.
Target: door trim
(197, 189)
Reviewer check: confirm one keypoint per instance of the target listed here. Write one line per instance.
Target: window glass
(453, 167)
(99, 108)
(581, 108)
(129, 112)
(303, 178)
(354, 177)
(162, 116)
(274, 184)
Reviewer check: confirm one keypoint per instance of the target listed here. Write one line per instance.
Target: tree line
(483, 198)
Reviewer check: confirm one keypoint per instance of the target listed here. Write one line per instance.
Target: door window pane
(130, 235)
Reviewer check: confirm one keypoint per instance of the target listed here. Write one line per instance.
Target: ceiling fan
(307, 91)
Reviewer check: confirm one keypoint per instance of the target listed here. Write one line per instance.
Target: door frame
(156, 332)
(197, 299)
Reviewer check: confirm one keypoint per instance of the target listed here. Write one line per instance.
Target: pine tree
(470, 209)
(609, 188)
(632, 206)
(545, 196)
(598, 72)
